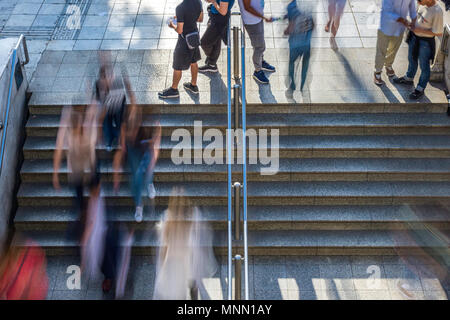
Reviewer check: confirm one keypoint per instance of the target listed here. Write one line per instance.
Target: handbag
(193, 40)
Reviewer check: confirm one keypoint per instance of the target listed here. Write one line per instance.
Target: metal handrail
(239, 85)
(244, 157)
(14, 60)
(230, 247)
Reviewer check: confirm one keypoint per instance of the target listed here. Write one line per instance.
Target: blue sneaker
(267, 67)
(260, 77)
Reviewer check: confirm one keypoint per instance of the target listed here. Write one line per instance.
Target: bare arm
(178, 28)
(222, 8)
(248, 7)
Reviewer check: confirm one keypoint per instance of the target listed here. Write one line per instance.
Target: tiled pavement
(345, 76)
(285, 277)
(140, 25)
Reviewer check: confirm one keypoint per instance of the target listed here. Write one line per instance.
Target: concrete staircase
(347, 174)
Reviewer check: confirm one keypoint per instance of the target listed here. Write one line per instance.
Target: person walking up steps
(187, 51)
(217, 31)
(252, 12)
(393, 23)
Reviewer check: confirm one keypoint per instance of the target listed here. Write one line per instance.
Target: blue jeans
(423, 60)
(299, 46)
(140, 174)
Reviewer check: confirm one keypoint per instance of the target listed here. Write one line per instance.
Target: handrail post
(237, 277)
(237, 211)
(236, 88)
(236, 54)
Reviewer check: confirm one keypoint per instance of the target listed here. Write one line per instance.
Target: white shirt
(249, 18)
(391, 10)
(430, 18)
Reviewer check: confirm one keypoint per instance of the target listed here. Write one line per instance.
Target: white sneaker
(151, 191)
(138, 214)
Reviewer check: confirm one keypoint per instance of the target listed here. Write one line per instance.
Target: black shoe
(403, 80)
(416, 94)
(267, 67)
(188, 86)
(208, 68)
(169, 93)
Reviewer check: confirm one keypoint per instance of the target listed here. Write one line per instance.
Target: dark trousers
(299, 47)
(111, 126)
(211, 41)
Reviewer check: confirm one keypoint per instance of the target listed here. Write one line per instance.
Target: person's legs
(133, 163)
(424, 61)
(331, 13)
(394, 44)
(413, 61)
(211, 43)
(381, 51)
(256, 35)
(176, 78)
(194, 73)
(294, 53)
(107, 130)
(306, 58)
(339, 10)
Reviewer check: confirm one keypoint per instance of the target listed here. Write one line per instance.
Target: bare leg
(176, 78)
(331, 14)
(335, 25)
(194, 73)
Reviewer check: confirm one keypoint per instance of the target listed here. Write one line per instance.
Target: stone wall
(14, 127)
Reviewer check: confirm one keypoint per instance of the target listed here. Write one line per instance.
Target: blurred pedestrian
(335, 12)
(422, 45)
(252, 13)
(93, 239)
(187, 51)
(217, 31)
(140, 144)
(77, 138)
(111, 91)
(393, 23)
(23, 274)
(116, 259)
(185, 254)
(299, 30)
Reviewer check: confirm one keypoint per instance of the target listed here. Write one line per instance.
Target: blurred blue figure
(299, 31)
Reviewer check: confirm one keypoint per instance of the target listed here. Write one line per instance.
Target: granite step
(51, 103)
(259, 217)
(298, 242)
(259, 193)
(307, 169)
(302, 146)
(294, 124)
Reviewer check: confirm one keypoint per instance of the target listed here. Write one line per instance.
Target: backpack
(302, 23)
(116, 97)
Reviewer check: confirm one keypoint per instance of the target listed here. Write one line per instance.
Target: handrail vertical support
(237, 211)
(236, 54)
(237, 277)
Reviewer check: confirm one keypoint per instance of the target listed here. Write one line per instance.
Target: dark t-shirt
(188, 12)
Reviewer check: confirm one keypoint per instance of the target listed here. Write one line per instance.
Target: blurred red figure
(23, 274)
